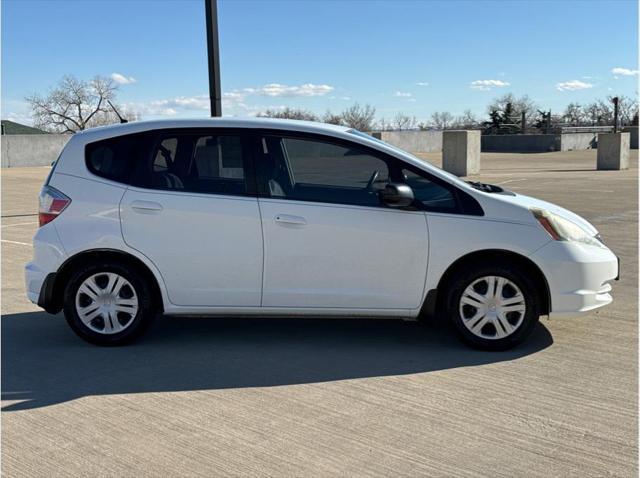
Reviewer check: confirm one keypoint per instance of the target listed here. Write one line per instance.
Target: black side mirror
(397, 195)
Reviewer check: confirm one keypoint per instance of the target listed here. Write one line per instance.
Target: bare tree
(403, 122)
(442, 120)
(359, 117)
(289, 113)
(628, 109)
(514, 105)
(601, 112)
(332, 118)
(595, 115)
(467, 120)
(574, 114)
(74, 105)
(384, 124)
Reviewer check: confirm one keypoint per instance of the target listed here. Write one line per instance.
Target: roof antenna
(122, 120)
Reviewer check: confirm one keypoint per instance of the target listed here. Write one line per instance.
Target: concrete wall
(633, 140)
(539, 143)
(578, 141)
(520, 143)
(19, 150)
(431, 141)
(413, 141)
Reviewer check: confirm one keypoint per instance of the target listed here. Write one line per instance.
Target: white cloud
(618, 72)
(624, 72)
(422, 83)
(573, 85)
(234, 102)
(17, 117)
(486, 85)
(122, 79)
(284, 91)
(402, 94)
(170, 107)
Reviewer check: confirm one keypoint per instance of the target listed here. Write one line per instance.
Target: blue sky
(416, 57)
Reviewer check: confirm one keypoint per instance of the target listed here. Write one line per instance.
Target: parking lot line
(15, 242)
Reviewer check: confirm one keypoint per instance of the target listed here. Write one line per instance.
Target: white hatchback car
(274, 218)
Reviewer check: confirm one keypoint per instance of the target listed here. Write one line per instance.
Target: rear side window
(114, 158)
(191, 162)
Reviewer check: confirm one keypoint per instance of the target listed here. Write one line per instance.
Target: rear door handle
(287, 219)
(146, 207)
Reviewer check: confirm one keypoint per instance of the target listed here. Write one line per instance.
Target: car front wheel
(493, 308)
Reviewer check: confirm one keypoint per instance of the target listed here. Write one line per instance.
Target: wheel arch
(436, 300)
(54, 303)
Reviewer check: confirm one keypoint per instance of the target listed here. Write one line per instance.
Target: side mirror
(397, 195)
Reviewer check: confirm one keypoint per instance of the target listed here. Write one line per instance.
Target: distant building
(11, 127)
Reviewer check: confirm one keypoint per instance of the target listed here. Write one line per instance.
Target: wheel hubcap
(492, 307)
(106, 303)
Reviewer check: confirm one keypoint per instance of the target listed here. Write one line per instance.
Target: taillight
(52, 203)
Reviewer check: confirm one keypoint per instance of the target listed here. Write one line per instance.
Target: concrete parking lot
(283, 397)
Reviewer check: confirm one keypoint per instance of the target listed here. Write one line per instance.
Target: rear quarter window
(115, 158)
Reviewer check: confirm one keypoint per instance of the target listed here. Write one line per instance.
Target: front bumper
(578, 275)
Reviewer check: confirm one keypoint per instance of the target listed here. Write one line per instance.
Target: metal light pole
(616, 110)
(213, 51)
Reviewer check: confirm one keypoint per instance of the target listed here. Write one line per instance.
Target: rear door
(329, 242)
(192, 212)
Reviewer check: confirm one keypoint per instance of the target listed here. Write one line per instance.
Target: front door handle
(287, 219)
(146, 207)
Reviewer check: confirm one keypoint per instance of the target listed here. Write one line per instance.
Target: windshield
(450, 176)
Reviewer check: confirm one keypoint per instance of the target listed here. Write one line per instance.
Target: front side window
(313, 170)
(432, 196)
(201, 163)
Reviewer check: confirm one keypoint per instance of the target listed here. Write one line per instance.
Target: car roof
(250, 123)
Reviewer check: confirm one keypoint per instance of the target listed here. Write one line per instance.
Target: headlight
(562, 229)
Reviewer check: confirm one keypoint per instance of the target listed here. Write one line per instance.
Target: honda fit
(285, 218)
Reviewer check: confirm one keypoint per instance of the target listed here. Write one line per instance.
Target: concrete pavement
(286, 397)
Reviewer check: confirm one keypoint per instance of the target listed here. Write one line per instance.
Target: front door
(191, 214)
(329, 242)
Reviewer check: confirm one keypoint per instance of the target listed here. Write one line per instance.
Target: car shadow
(44, 363)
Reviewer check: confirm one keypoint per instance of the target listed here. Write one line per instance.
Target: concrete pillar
(461, 152)
(613, 151)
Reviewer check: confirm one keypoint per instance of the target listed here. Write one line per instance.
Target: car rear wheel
(493, 307)
(108, 304)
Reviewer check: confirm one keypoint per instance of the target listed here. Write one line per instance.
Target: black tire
(467, 276)
(146, 312)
